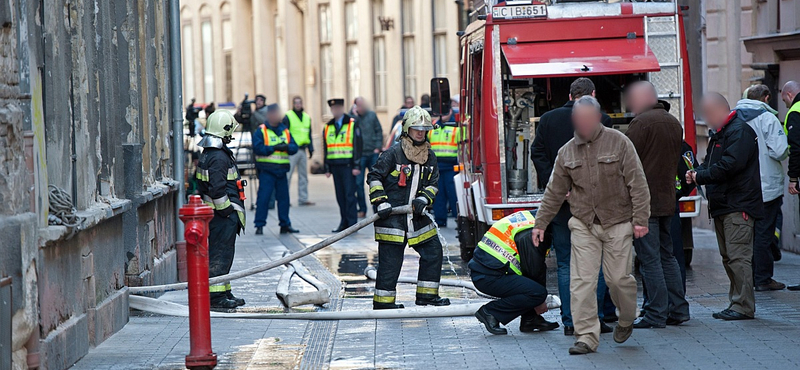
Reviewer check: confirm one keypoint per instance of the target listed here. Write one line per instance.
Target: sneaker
(580, 348)
(622, 333)
(772, 285)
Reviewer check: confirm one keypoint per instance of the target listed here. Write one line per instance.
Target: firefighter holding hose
(222, 189)
(407, 173)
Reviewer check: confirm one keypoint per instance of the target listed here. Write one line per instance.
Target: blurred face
(361, 106)
(259, 103)
(714, 114)
(297, 104)
(409, 102)
(274, 118)
(787, 98)
(416, 135)
(586, 120)
(337, 110)
(639, 99)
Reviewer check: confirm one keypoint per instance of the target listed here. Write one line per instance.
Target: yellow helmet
(418, 119)
(221, 124)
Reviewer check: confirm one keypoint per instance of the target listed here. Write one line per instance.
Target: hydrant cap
(195, 207)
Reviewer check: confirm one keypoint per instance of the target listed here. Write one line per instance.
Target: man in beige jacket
(599, 172)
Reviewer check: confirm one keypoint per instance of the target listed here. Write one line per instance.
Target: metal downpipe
(176, 110)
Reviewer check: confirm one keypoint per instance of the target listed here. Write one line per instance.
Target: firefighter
(273, 144)
(507, 265)
(341, 141)
(407, 173)
(444, 142)
(223, 189)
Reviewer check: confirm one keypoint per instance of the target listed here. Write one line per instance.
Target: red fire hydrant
(195, 216)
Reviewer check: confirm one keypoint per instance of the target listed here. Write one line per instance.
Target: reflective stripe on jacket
(444, 141)
(499, 240)
(340, 145)
(217, 174)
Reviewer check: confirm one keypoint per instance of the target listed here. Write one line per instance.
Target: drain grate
(319, 335)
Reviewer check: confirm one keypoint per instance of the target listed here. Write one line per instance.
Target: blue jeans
(445, 197)
(661, 274)
(270, 183)
(562, 245)
(367, 161)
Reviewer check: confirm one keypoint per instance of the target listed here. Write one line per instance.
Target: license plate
(519, 11)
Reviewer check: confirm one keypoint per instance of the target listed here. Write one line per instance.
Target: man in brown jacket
(610, 203)
(657, 136)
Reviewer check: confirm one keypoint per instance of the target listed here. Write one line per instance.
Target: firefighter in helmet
(221, 188)
(407, 174)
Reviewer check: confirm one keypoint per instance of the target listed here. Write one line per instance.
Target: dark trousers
(222, 233)
(676, 232)
(519, 294)
(445, 197)
(661, 274)
(764, 230)
(390, 261)
(268, 183)
(367, 161)
(345, 185)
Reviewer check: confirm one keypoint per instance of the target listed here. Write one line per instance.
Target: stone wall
(83, 106)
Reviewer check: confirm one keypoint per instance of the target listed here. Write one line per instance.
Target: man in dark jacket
(407, 173)
(272, 145)
(341, 141)
(733, 185)
(553, 131)
(657, 136)
(372, 139)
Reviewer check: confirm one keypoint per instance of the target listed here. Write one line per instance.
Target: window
(378, 55)
(440, 38)
(227, 50)
(188, 63)
(409, 69)
(207, 54)
(325, 54)
(351, 52)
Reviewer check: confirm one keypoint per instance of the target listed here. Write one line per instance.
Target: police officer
(444, 142)
(407, 173)
(507, 265)
(220, 187)
(272, 145)
(341, 140)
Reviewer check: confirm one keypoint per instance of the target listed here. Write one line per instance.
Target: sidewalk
(158, 342)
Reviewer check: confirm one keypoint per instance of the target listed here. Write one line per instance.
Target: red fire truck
(517, 62)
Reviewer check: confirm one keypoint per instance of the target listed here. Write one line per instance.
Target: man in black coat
(733, 185)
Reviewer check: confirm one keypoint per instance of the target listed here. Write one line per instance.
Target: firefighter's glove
(384, 210)
(419, 204)
(282, 147)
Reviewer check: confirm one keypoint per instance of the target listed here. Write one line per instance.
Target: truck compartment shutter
(580, 58)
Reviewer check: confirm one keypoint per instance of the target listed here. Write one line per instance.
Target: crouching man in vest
(407, 173)
(507, 265)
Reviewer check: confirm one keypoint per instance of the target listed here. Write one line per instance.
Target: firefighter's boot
(386, 306)
(239, 301)
(431, 300)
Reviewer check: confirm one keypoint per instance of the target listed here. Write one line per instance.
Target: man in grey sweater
(372, 139)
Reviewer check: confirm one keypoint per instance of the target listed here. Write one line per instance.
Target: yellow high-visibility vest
(340, 146)
(444, 141)
(272, 139)
(300, 127)
(499, 240)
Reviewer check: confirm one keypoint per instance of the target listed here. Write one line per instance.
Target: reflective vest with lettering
(272, 139)
(499, 240)
(340, 146)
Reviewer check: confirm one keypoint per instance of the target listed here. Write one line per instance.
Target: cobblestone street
(160, 342)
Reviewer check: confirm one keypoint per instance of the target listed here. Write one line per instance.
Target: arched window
(207, 45)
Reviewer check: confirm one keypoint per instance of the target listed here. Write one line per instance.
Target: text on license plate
(519, 11)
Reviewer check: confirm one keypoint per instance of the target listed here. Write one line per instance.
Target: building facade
(382, 50)
(88, 199)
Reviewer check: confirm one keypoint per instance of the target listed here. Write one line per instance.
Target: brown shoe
(307, 203)
(622, 333)
(772, 285)
(580, 348)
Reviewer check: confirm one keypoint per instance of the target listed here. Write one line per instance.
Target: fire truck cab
(518, 60)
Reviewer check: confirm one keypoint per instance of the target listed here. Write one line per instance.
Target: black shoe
(641, 323)
(732, 315)
(771, 285)
(336, 231)
(569, 331)
(605, 329)
(536, 323)
(386, 306)
(288, 230)
(610, 318)
(239, 301)
(432, 301)
(793, 288)
(675, 322)
(718, 315)
(491, 324)
(224, 303)
(259, 230)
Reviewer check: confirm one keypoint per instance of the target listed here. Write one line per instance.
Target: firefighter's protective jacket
(218, 174)
(385, 186)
